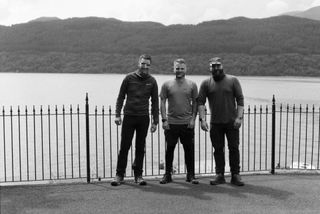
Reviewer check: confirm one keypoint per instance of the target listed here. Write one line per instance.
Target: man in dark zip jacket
(137, 88)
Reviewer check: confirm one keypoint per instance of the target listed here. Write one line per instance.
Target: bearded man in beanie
(226, 103)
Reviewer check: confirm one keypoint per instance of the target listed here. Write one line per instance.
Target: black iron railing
(47, 144)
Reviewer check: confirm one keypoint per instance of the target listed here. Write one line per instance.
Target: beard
(218, 75)
(144, 72)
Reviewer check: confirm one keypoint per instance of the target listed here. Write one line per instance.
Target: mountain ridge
(311, 13)
(95, 44)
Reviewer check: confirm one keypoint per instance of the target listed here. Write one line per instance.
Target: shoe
(219, 179)
(192, 179)
(118, 180)
(166, 179)
(236, 180)
(139, 180)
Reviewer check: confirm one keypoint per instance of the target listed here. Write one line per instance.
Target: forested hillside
(282, 45)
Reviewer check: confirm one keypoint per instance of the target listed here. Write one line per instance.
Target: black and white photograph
(159, 106)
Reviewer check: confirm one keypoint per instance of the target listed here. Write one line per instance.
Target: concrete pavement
(280, 193)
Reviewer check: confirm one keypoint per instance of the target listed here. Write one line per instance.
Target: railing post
(87, 139)
(273, 146)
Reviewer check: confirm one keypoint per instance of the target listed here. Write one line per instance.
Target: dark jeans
(131, 124)
(186, 136)
(217, 135)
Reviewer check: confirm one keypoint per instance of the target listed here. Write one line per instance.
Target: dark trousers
(217, 135)
(131, 124)
(186, 136)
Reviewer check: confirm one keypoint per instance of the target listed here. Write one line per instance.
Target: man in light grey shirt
(178, 122)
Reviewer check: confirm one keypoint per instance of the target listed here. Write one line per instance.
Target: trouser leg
(127, 132)
(171, 136)
(233, 145)
(187, 140)
(217, 139)
(141, 134)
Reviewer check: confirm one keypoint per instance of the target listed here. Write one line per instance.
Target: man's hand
(204, 125)
(118, 121)
(165, 125)
(237, 123)
(153, 127)
(191, 124)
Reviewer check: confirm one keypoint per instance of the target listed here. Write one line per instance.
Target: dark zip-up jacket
(137, 92)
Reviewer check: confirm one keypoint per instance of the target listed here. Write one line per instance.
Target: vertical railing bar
(103, 144)
(242, 148)
(34, 143)
(248, 150)
(287, 121)
(266, 153)
(78, 134)
(87, 139)
(42, 150)
(199, 138)
(280, 133)
(4, 145)
(19, 137)
(273, 140)
(206, 141)
(117, 128)
(49, 142)
(71, 141)
(64, 142)
(57, 141)
(27, 143)
(179, 157)
(110, 131)
(318, 139)
(159, 140)
(300, 114)
(96, 136)
(152, 165)
(293, 123)
(79, 147)
(260, 146)
(312, 135)
(306, 136)
(254, 138)
(12, 158)
(205, 156)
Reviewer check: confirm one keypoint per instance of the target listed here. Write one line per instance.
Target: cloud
(315, 3)
(210, 14)
(276, 7)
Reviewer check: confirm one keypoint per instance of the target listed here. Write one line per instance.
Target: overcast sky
(163, 11)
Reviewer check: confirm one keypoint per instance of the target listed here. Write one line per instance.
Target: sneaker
(166, 179)
(192, 179)
(139, 180)
(219, 179)
(118, 180)
(236, 180)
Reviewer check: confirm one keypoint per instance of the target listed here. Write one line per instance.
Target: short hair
(179, 61)
(145, 56)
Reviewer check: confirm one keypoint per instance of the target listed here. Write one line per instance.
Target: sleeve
(202, 96)
(194, 92)
(155, 103)
(238, 92)
(121, 96)
(164, 91)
